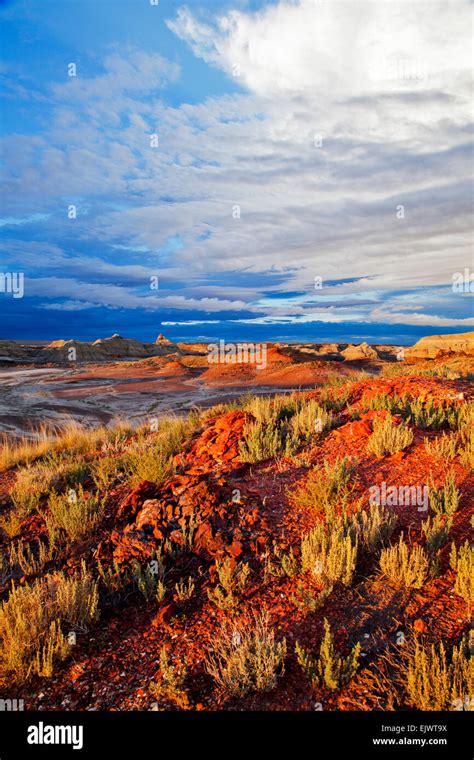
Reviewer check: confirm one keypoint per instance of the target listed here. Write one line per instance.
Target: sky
(295, 170)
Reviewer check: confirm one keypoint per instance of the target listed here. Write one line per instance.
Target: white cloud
(335, 48)
(386, 86)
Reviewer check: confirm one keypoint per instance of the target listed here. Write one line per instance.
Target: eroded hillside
(300, 551)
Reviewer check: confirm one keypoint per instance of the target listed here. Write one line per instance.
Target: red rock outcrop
(217, 446)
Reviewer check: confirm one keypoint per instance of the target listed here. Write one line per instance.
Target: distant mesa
(280, 356)
(113, 348)
(435, 346)
(360, 352)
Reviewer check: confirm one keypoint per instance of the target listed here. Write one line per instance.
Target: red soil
(242, 511)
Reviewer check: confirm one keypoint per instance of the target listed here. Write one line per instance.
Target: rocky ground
(215, 507)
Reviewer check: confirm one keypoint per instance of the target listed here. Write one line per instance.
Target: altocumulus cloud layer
(337, 146)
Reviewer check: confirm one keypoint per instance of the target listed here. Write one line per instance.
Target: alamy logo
(12, 705)
(42, 734)
(463, 282)
(238, 353)
(399, 496)
(12, 282)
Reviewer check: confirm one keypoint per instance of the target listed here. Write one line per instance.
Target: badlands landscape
(116, 379)
(182, 535)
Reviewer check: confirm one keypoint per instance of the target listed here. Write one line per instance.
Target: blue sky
(310, 179)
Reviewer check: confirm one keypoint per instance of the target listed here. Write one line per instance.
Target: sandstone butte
(434, 346)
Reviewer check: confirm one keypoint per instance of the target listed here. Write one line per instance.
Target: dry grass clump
(434, 684)
(445, 447)
(24, 450)
(11, 522)
(436, 532)
(261, 442)
(326, 487)
(373, 527)
(151, 458)
(444, 500)
(404, 566)
(330, 554)
(171, 686)
(328, 669)
(309, 419)
(72, 439)
(32, 560)
(247, 658)
(388, 438)
(462, 562)
(75, 512)
(31, 619)
(232, 581)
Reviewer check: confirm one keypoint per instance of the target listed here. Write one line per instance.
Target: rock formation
(434, 346)
(60, 351)
(359, 352)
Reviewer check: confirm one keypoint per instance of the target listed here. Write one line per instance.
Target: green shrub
(51, 473)
(107, 471)
(444, 500)
(373, 527)
(326, 488)
(184, 590)
(466, 452)
(430, 415)
(232, 581)
(462, 562)
(24, 501)
(265, 409)
(31, 635)
(151, 458)
(328, 669)
(390, 402)
(307, 601)
(11, 523)
(404, 566)
(261, 441)
(444, 447)
(247, 658)
(434, 684)
(329, 555)
(171, 686)
(334, 400)
(282, 563)
(149, 579)
(114, 579)
(309, 420)
(436, 531)
(32, 562)
(76, 512)
(388, 439)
